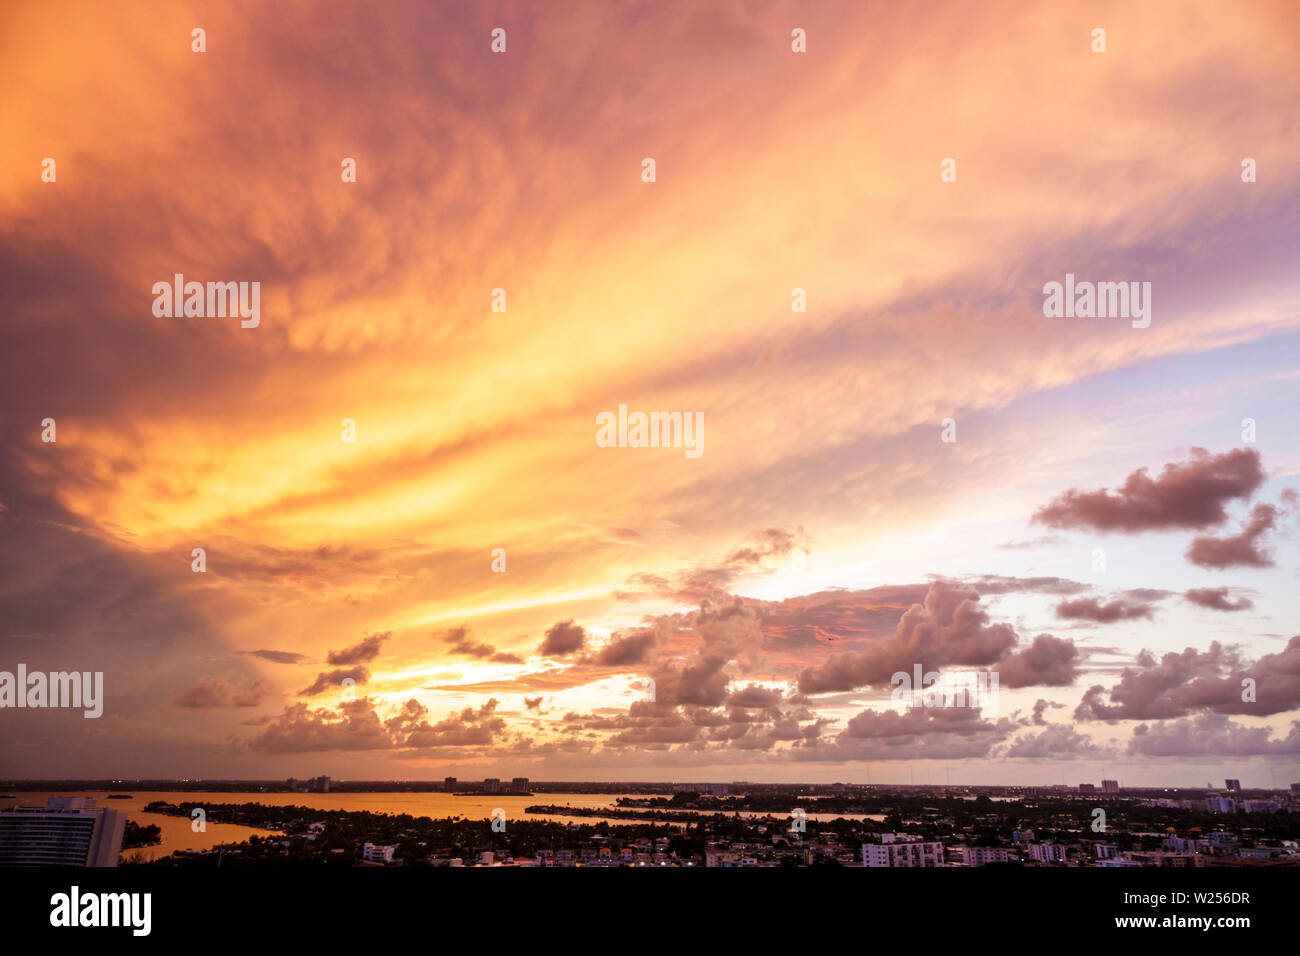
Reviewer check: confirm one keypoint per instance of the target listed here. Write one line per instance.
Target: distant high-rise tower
(449, 784)
(519, 784)
(1110, 786)
(1217, 804)
(68, 831)
(492, 785)
(1232, 783)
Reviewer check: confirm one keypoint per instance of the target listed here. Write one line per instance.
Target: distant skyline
(550, 785)
(918, 470)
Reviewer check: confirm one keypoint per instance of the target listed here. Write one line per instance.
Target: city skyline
(374, 504)
(679, 825)
(323, 784)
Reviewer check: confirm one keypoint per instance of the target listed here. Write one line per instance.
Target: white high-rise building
(984, 855)
(373, 853)
(1217, 804)
(1047, 852)
(1261, 806)
(67, 831)
(911, 853)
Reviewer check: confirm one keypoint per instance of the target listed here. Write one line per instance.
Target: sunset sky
(826, 537)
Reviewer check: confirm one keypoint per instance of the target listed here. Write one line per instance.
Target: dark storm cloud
(74, 598)
(364, 650)
(1094, 609)
(210, 693)
(355, 725)
(466, 728)
(914, 721)
(626, 648)
(1217, 599)
(1055, 742)
(1048, 661)
(921, 733)
(950, 628)
(1040, 707)
(754, 695)
(701, 681)
(333, 680)
(839, 617)
(987, 584)
(1244, 549)
(1193, 681)
(647, 724)
(461, 643)
(305, 567)
(1189, 494)
(686, 728)
(1211, 735)
(278, 657)
(563, 638)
